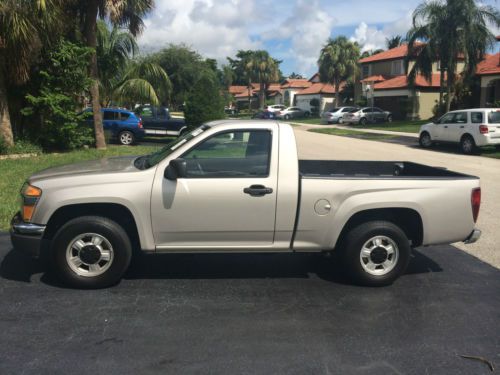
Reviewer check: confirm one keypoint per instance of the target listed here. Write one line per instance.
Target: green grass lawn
(14, 172)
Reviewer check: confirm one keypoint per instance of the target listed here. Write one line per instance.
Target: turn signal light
(475, 202)
(28, 213)
(29, 195)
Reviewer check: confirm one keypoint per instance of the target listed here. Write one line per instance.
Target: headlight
(29, 198)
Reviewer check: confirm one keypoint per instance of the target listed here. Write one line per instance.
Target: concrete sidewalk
(373, 131)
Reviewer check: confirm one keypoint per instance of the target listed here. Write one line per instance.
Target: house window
(367, 70)
(397, 68)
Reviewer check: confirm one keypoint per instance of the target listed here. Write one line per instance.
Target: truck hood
(109, 165)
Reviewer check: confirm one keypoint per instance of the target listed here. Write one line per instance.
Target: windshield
(494, 117)
(147, 161)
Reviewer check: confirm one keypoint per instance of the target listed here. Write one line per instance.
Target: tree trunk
(337, 94)
(262, 95)
(449, 85)
(5, 125)
(441, 89)
(249, 96)
(91, 38)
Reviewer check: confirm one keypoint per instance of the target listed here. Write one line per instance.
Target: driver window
(447, 119)
(231, 154)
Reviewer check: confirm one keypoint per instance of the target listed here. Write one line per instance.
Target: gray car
(335, 115)
(292, 112)
(366, 115)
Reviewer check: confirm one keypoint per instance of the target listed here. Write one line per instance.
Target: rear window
(124, 116)
(108, 115)
(494, 117)
(476, 117)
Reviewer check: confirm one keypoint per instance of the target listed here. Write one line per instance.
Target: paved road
(251, 314)
(320, 146)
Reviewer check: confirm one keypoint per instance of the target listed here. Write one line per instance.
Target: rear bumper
(26, 237)
(473, 236)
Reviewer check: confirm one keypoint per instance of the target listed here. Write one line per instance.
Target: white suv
(275, 108)
(470, 128)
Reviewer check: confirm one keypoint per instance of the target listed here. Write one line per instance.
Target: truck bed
(374, 169)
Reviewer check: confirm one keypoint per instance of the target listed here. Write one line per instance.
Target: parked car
(292, 112)
(275, 108)
(470, 128)
(235, 186)
(120, 125)
(157, 121)
(335, 115)
(264, 115)
(366, 115)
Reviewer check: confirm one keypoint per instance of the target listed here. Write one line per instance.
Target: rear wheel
(126, 138)
(90, 252)
(287, 117)
(307, 114)
(467, 144)
(340, 120)
(425, 140)
(375, 253)
(389, 118)
(362, 121)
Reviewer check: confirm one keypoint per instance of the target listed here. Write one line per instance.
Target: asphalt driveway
(252, 314)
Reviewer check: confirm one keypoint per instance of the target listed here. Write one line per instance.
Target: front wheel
(425, 140)
(375, 253)
(90, 252)
(340, 120)
(362, 121)
(126, 138)
(389, 118)
(287, 117)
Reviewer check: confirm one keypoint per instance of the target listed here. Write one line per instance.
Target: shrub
(63, 80)
(23, 146)
(204, 103)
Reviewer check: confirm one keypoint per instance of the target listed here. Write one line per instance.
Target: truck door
(227, 199)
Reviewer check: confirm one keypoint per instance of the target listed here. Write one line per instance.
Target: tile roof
(297, 83)
(236, 89)
(319, 88)
(394, 53)
(490, 65)
(399, 82)
(377, 78)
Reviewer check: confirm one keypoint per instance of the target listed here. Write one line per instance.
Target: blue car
(120, 125)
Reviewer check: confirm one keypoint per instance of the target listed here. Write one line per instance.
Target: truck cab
(157, 121)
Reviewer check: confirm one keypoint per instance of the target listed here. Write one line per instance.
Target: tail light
(483, 129)
(475, 202)
(140, 123)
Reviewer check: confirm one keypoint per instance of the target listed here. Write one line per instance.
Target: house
(323, 92)
(384, 83)
(290, 87)
(242, 94)
(488, 72)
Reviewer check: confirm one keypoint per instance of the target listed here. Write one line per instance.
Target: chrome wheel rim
(126, 138)
(467, 145)
(379, 255)
(89, 254)
(426, 140)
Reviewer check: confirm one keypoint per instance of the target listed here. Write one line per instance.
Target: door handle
(462, 127)
(257, 190)
(446, 126)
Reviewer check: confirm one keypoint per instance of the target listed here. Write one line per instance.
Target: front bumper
(473, 237)
(26, 237)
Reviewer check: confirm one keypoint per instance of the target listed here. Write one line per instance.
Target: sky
(291, 30)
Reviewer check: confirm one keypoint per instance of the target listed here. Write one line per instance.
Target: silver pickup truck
(238, 186)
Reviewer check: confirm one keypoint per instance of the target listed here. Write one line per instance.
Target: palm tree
(338, 61)
(295, 76)
(451, 30)
(264, 69)
(121, 78)
(127, 13)
(394, 41)
(24, 27)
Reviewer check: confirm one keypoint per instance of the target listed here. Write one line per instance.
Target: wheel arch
(408, 219)
(114, 211)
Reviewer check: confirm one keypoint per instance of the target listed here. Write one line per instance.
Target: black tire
(126, 138)
(353, 243)
(307, 114)
(389, 118)
(467, 144)
(362, 121)
(287, 117)
(425, 140)
(340, 120)
(121, 250)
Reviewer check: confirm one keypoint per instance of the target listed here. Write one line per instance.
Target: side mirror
(177, 168)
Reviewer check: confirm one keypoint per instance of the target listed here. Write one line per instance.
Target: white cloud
(308, 28)
(214, 28)
(372, 38)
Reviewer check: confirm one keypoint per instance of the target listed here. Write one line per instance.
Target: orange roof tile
(377, 78)
(236, 89)
(400, 82)
(394, 53)
(298, 83)
(319, 88)
(490, 65)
